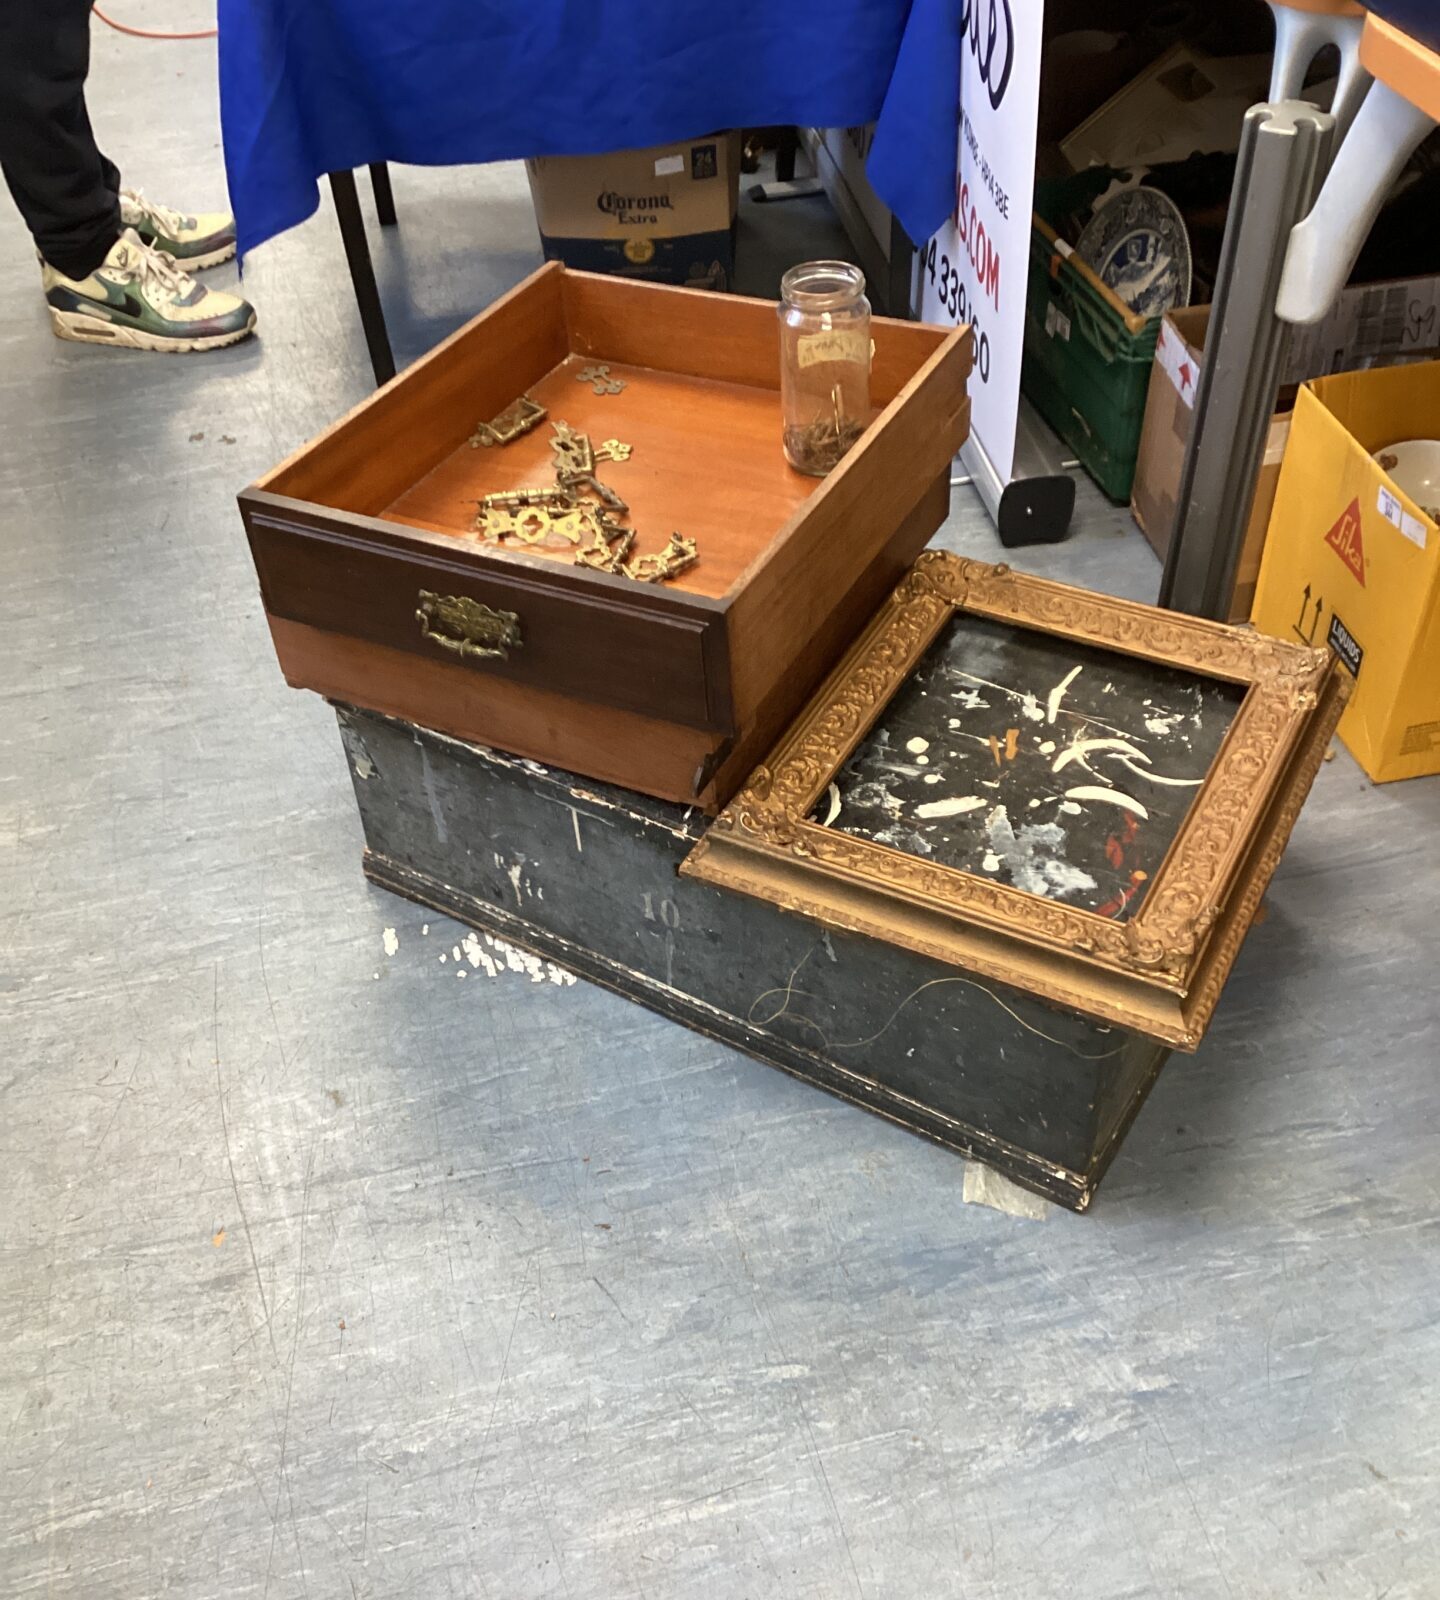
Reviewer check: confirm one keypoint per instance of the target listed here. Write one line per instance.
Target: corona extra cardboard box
(666, 213)
(1352, 561)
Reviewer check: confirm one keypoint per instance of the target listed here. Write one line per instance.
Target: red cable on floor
(147, 33)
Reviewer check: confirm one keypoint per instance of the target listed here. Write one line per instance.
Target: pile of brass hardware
(818, 446)
(518, 417)
(581, 511)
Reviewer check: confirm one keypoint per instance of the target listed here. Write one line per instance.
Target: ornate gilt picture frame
(1161, 971)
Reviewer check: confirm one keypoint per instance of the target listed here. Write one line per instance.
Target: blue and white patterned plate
(1138, 245)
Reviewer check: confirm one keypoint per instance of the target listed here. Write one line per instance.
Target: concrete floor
(322, 1274)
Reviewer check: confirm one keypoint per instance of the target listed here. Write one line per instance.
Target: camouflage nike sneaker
(140, 299)
(196, 242)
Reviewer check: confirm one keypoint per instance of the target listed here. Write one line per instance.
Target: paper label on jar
(835, 344)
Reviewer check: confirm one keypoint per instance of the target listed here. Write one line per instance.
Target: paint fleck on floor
(479, 952)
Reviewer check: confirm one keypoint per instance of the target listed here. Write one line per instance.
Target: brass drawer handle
(467, 628)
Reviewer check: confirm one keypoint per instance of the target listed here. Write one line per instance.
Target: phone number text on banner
(974, 269)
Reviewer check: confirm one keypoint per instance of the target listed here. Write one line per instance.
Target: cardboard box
(1352, 562)
(1370, 323)
(666, 213)
(1182, 103)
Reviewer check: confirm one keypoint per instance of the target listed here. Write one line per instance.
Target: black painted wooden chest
(1001, 864)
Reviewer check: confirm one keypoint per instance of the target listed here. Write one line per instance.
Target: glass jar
(824, 363)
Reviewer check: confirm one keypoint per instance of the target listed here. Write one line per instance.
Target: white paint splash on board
(1121, 751)
(1086, 717)
(905, 839)
(1057, 694)
(391, 940)
(1065, 876)
(1034, 856)
(917, 746)
(1082, 749)
(1113, 797)
(1155, 777)
(875, 795)
(1030, 707)
(955, 807)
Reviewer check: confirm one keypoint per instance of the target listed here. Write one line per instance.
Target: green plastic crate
(1087, 359)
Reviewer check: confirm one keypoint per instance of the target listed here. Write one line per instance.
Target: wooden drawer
(365, 550)
(602, 640)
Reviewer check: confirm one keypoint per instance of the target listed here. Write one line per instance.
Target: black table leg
(362, 274)
(384, 194)
(785, 153)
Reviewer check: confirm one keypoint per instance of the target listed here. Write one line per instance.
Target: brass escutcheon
(467, 628)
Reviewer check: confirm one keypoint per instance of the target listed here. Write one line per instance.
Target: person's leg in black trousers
(67, 192)
(114, 264)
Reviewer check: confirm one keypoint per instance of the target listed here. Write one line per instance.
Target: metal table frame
(362, 267)
(357, 256)
(1308, 186)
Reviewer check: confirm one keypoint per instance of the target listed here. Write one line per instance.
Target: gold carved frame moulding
(1161, 972)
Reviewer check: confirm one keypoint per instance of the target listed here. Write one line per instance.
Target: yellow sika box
(1352, 562)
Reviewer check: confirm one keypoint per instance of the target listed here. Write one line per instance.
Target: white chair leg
(1299, 37)
(1324, 247)
(1354, 79)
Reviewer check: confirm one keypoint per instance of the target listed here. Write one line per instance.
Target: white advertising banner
(975, 268)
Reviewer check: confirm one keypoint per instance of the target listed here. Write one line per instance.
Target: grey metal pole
(1285, 149)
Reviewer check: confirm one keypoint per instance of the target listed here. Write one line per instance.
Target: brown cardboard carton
(666, 213)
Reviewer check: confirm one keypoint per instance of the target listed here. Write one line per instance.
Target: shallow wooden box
(672, 689)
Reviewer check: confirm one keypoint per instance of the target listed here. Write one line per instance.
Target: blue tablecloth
(308, 86)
